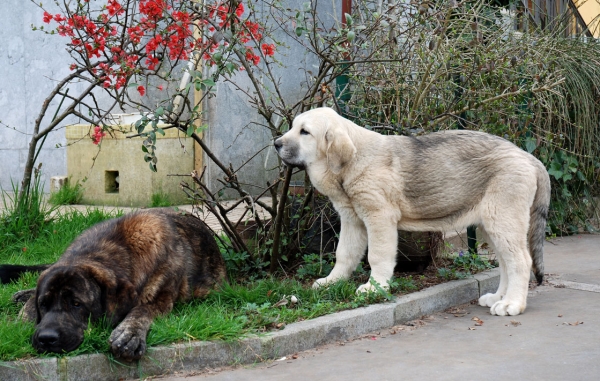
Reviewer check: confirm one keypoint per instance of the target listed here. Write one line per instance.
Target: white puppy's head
(317, 136)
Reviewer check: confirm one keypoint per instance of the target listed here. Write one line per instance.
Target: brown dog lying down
(129, 269)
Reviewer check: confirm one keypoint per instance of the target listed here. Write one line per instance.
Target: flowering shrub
(117, 40)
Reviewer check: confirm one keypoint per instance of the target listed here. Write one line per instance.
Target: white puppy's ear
(340, 148)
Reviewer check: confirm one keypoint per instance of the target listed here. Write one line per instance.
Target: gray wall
(30, 61)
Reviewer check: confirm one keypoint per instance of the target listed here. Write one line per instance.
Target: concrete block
(29, 370)
(115, 172)
(327, 329)
(57, 182)
(95, 367)
(488, 281)
(434, 299)
(199, 355)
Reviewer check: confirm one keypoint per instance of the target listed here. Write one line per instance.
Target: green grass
(160, 199)
(23, 216)
(235, 310)
(67, 195)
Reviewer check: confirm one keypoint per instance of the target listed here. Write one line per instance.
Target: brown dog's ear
(118, 295)
(340, 148)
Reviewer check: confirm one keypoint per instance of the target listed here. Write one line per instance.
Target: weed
(24, 214)
(464, 265)
(471, 262)
(160, 200)
(315, 266)
(68, 194)
(241, 264)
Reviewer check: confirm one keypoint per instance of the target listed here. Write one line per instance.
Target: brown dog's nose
(48, 337)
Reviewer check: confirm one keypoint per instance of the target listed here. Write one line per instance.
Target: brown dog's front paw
(23, 296)
(127, 343)
(28, 311)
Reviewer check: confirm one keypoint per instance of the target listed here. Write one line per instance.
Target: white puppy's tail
(538, 217)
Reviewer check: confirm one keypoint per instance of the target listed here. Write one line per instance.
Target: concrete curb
(294, 338)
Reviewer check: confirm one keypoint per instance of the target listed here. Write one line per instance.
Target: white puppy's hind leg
(351, 248)
(490, 299)
(515, 263)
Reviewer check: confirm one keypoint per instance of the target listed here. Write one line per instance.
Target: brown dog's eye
(304, 132)
(76, 304)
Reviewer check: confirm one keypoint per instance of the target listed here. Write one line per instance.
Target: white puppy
(442, 181)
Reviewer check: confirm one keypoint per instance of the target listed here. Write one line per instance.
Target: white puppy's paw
(506, 307)
(322, 282)
(370, 287)
(367, 287)
(489, 300)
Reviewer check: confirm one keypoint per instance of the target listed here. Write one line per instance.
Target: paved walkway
(557, 338)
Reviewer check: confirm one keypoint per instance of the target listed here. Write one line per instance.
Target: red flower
(136, 34)
(47, 17)
(250, 56)
(73, 66)
(114, 8)
(141, 90)
(268, 49)
(153, 8)
(98, 135)
(152, 62)
(239, 11)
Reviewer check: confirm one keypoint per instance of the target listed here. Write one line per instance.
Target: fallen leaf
(515, 323)
(280, 303)
(560, 315)
(471, 329)
(456, 310)
(478, 321)
(295, 356)
(576, 323)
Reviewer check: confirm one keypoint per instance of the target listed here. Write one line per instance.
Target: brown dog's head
(317, 137)
(66, 299)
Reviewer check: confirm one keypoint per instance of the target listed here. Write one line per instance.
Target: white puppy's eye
(304, 132)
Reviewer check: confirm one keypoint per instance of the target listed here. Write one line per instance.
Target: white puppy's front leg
(350, 250)
(383, 244)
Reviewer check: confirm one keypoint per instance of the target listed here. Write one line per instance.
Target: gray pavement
(557, 338)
